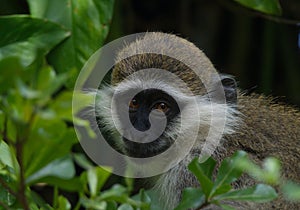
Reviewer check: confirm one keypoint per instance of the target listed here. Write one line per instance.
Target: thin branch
(22, 195)
(4, 132)
(21, 140)
(6, 139)
(55, 197)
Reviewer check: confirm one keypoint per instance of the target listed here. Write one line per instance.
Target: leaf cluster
(217, 189)
(41, 54)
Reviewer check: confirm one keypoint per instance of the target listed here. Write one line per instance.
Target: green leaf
(54, 10)
(120, 194)
(152, 199)
(199, 171)
(62, 105)
(62, 168)
(227, 207)
(26, 37)
(49, 82)
(272, 170)
(125, 206)
(258, 193)
(85, 124)
(86, 38)
(11, 130)
(116, 193)
(27, 92)
(16, 108)
(47, 135)
(111, 205)
(271, 7)
(63, 203)
(10, 68)
(5, 196)
(71, 185)
(269, 174)
(228, 173)
(45, 140)
(93, 204)
(97, 176)
(81, 100)
(144, 200)
(82, 161)
(143, 197)
(7, 156)
(33, 206)
(191, 198)
(222, 189)
(208, 167)
(291, 191)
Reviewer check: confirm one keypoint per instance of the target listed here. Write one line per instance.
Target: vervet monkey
(252, 123)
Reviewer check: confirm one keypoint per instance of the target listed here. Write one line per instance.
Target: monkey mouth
(146, 150)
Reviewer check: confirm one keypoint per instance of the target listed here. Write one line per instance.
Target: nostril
(142, 127)
(142, 124)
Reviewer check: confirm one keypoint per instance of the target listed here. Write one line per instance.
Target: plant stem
(22, 195)
(19, 154)
(55, 197)
(22, 137)
(4, 132)
(77, 205)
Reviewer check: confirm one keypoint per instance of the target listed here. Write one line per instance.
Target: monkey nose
(137, 136)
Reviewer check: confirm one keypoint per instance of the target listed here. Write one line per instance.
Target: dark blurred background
(261, 51)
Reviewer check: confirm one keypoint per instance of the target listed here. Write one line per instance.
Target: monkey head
(165, 93)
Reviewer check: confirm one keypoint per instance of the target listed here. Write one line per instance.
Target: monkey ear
(230, 88)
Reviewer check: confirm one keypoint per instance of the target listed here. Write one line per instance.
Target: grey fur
(255, 124)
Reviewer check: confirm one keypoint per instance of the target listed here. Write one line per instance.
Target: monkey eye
(133, 104)
(162, 107)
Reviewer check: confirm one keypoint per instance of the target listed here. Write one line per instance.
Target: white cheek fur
(208, 117)
(207, 113)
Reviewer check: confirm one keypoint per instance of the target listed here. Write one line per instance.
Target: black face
(139, 110)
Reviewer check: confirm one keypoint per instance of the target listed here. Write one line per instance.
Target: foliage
(215, 190)
(271, 7)
(88, 21)
(40, 57)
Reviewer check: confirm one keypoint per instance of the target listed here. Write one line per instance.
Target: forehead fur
(140, 84)
(167, 52)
